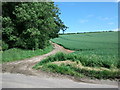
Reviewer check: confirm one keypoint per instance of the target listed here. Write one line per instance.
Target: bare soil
(25, 67)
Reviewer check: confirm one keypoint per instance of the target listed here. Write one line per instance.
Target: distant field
(89, 41)
(102, 45)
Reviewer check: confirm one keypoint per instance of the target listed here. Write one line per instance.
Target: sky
(89, 16)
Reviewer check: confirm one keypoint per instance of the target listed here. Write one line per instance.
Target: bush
(4, 46)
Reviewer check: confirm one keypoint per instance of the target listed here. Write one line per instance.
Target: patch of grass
(57, 57)
(47, 65)
(94, 60)
(86, 60)
(19, 54)
(62, 69)
(103, 74)
(0, 57)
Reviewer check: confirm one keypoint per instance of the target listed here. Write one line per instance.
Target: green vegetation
(62, 69)
(79, 66)
(97, 47)
(91, 60)
(29, 25)
(89, 41)
(95, 56)
(27, 29)
(20, 54)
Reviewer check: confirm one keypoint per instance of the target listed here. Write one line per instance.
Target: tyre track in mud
(25, 66)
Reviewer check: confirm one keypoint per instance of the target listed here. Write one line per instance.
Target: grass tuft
(19, 54)
(72, 69)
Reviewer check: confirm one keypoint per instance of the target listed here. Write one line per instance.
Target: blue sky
(89, 16)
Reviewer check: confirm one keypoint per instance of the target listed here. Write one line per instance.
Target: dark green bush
(4, 46)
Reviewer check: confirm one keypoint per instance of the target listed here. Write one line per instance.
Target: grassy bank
(79, 66)
(96, 56)
(19, 54)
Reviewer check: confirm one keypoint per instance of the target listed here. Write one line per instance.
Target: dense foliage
(30, 25)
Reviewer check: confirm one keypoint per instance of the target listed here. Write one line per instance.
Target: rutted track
(25, 66)
(12, 69)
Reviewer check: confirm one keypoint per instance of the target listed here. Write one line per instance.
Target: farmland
(100, 45)
(104, 44)
(96, 55)
(89, 41)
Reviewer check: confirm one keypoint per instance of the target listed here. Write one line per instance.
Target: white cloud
(83, 21)
(110, 23)
(107, 18)
(104, 18)
(117, 29)
(118, 0)
(89, 16)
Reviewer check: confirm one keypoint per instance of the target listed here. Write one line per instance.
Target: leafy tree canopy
(30, 25)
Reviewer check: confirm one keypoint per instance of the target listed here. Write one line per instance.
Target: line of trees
(30, 25)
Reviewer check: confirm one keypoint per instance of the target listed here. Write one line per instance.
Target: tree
(64, 28)
(30, 25)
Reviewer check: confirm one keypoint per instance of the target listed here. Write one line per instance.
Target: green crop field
(95, 46)
(96, 55)
(89, 41)
(104, 44)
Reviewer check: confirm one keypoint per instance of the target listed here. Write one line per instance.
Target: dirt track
(25, 66)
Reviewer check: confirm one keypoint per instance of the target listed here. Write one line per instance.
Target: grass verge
(19, 54)
(62, 69)
(80, 66)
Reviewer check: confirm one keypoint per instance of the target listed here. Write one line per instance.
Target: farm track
(25, 67)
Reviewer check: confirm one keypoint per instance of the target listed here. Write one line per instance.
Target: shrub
(4, 46)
